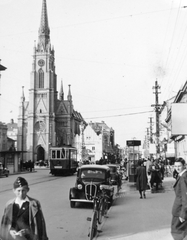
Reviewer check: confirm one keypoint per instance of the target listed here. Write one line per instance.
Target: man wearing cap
(23, 218)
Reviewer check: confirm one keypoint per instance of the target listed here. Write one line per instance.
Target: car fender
(72, 193)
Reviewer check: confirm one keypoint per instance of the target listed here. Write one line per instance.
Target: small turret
(69, 94)
(23, 95)
(61, 94)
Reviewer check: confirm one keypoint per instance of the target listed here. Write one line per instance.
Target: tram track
(37, 181)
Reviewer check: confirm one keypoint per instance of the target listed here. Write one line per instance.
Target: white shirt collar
(180, 174)
(20, 202)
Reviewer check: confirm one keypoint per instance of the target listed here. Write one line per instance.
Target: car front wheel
(72, 204)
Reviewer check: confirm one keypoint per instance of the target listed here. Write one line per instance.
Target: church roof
(78, 116)
(98, 127)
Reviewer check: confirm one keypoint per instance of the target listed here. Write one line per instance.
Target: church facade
(47, 119)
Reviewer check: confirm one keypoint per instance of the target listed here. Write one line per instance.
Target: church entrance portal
(40, 153)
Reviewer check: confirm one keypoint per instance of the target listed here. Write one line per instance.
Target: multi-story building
(3, 137)
(99, 141)
(12, 131)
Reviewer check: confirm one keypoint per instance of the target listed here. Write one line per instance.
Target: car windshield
(92, 173)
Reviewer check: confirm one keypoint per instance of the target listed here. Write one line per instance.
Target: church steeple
(61, 94)
(44, 31)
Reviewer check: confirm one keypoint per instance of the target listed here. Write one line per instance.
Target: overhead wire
(120, 115)
(163, 46)
(171, 43)
(176, 71)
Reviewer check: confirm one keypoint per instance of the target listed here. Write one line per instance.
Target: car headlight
(79, 186)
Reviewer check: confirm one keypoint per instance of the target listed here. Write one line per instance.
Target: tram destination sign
(133, 143)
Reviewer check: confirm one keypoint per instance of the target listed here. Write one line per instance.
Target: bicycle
(100, 209)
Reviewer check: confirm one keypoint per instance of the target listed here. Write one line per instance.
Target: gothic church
(46, 119)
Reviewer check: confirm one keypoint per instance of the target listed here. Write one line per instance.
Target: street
(128, 216)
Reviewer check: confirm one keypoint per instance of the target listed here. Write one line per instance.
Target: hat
(20, 182)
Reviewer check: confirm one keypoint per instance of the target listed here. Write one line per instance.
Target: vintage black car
(115, 175)
(89, 179)
(3, 171)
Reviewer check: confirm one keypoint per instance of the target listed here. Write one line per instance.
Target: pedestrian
(141, 178)
(155, 174)
(23, 218)
(179, 210)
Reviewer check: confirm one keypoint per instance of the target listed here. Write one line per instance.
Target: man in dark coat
(141, 178)
(23, 218)
(179, 210)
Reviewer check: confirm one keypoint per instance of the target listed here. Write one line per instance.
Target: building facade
(12, 132)
(3, 137)
(99, 141)
(47, 119)
(180, 140)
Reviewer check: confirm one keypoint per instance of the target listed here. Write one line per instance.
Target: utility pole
(148, 138)
(157, 111)
(82, 143)
(151, 129)
(22, 137)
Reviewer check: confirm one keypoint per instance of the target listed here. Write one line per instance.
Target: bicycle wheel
(105, 207)
(93, 226)
(101, 211)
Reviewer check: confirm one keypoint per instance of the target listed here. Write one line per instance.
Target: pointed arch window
(41, 78)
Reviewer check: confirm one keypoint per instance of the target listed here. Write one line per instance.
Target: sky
(111, 52)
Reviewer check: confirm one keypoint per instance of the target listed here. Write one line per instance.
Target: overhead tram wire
(163, 46)
(117, 109)
(182, 60)
(120, 115)
(172, 39)
(173, 67)
(171, 43)
(101, 20)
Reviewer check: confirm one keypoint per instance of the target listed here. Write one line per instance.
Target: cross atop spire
(44, 31)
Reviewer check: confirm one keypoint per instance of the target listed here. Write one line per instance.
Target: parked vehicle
(3, 171)
(87, 186)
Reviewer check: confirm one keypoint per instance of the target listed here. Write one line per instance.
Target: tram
(63, 160)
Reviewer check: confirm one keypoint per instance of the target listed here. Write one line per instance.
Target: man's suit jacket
(180, 204)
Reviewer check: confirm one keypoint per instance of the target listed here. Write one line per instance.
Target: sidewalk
(131, 218)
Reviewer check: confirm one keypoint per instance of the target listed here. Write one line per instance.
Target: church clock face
(39, 126)
(41, 62)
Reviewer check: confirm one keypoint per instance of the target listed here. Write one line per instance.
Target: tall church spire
(44, 31)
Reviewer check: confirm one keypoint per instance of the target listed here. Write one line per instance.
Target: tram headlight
(79, 186)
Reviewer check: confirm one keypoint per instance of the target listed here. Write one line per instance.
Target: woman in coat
(141, 178)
